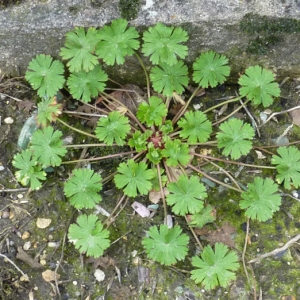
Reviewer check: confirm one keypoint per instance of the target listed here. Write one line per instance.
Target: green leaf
(258, 86)
(210, 69)
(261, 199)
(176, 153)
(79, 48)
(166, 245)
(84, 85)
(45, 75)
(234, 137)
(162, 44)
(205, 216)
(113, 129)
(168, 79)
(134, 178)
(48, 111)
(89, 236)
(152, 113)
(288, 166)
(83, 188)
(48, 147)
(154, 153)
(139, 141)
(117, 42)
(215, 267)
(195, 127)
(29, 171)
(186, 195)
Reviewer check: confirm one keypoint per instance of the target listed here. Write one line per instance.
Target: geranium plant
(161, 143)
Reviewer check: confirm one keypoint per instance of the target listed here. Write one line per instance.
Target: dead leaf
(43, 223)
(25, 105)
(222, 235)
(49, 275)
(103, 262)
(295, 114)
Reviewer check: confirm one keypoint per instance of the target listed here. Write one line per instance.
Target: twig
(5, 257)
(279, 113)
(244, 251)
(276, 251)
(14, 190)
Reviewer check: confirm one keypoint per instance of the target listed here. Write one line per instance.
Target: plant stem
(98, 158)
(213, 179)
(232, 162)
(222, 103)
(183, 109)
(162, 193)
(77, 130)
(88, 145)
(146, 73)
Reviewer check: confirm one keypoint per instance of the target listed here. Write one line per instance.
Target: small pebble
(25, 235)
(2, 168)
(5, 214)
(27, 246)
(99, 275)
(53, 244)
(8, 120)
(20, 196)
(43, 262)
(74, 282)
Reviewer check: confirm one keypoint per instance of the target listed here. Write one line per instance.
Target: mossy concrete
(248, 32)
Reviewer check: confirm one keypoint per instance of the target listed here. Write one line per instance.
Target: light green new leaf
(29, 171)
(234, 136)
(89, 236)
(288, 166)
(206, 215)
(117, 42)
(186, 195)
(261, 199)
(258, 86)
(152, 113)
(139, 140)
(45, 75)
(162, 44)
(176, 153)
(134, 178)
(84, 85)
(113, 129)
(83, 188)
(47, 146)
(154, 153)
(168, 79)
(210, 69)
(215, 268)
(195, 127)
(48, 111)
(79, 48)
(166, 245)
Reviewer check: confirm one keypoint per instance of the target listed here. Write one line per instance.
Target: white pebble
(27, 246)
(99, 275)
(8, 120)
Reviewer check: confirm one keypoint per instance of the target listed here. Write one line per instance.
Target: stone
(247, 31)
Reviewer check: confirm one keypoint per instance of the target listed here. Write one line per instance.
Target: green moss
(266, 31)
(7, 3)
(256, 24)
(129, 9)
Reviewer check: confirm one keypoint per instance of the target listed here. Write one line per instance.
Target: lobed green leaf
(261, 199)
(162, 44)
(210, 69)
(258, 86)
(89, 236)
(166, 245)
(113, 129)
(45, 75)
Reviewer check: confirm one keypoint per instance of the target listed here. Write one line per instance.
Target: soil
(40, 263)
